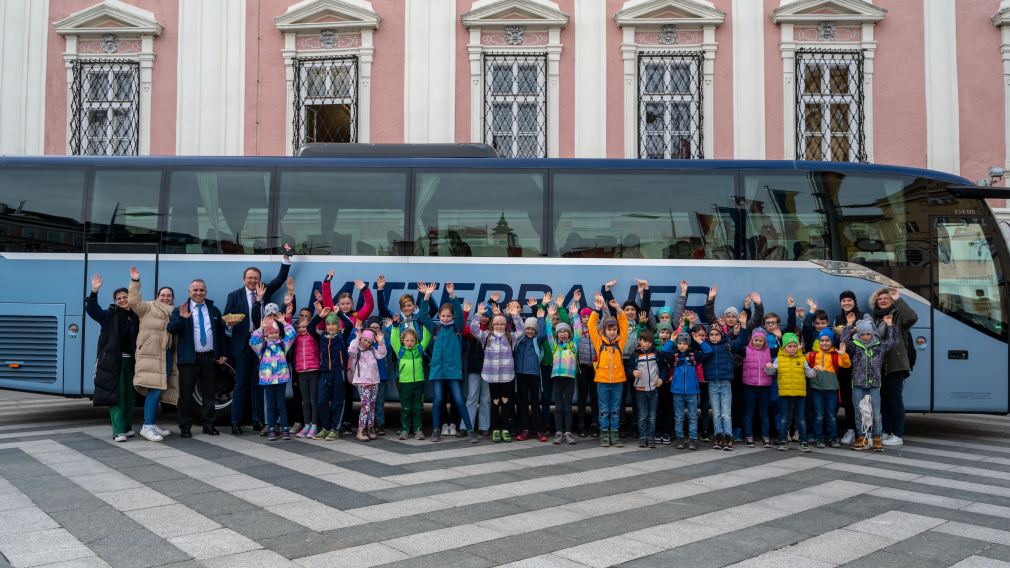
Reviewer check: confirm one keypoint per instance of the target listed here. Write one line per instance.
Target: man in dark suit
(201, 344)
(249, 300)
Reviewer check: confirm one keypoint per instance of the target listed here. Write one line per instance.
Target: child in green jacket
(410, 364)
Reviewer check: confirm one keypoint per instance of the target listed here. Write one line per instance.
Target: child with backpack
(332, 362)
(757, 384)
(564, 343)
(410, 366)
(609, 338)
(826, 362)
(867, 364)
(717, 362)
(367, 352)
(498, 370)
(271, 348)
(447, 362)
(651, 366)
(685, 388)
(792, 370)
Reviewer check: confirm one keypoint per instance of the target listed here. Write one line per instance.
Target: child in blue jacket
(717, 361)
(685, 389)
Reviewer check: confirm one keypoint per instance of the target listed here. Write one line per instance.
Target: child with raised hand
(793, 371)
(663, 341)
(685, 388)
(367, 351)
(528, 353)
(306, 354)
(410, 366)
(447, 362)
(375, 324)
(272, 348)
(585, 391)
(717, 361)
(651, 366)
(498, 370)
(332, 362)
(344, 302)
(564, 342)
(757, 383)
(609, 338)
(826, 362)
(867, 365)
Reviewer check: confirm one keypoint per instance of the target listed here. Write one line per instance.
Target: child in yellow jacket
(609, 338)
(826, 362)
(793, 372)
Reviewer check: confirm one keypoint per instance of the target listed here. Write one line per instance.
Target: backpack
(812, 359)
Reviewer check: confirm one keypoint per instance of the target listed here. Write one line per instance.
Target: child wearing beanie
(585, 390)
(272, 349)
(757, 384)
(332, 362)
(685, 388)
(868, 352)
(367, 352)
(793, 372)
(826, 362)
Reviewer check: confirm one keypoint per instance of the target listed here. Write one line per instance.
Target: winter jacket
(754, 361)
(274, 368)
(529, 351)
(154, 348)
(499, 360)
(117, 339)
(363, 367)
(651, 365)
(565, 356)
(348, 320)
(306, 353)
(609, 358)
(409, 362)
(717, 360)
(793, 372)
(827, 377)
(868, 358)
(685, 373)
(332, 348)
(904, 317)
(447, 347)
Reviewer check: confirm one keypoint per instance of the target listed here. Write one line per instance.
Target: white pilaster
(210, 112)
(629, 54)
(942, 132)
(22, 75)
(748, 79)
(429, 71)
(554, 93)
(1002, 20)
(591, 79)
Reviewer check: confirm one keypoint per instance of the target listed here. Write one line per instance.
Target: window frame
(76, 233)
(826, 60)
(81, 107)
(694, 101)
(162, 196)
(515, 99)
(302, 66)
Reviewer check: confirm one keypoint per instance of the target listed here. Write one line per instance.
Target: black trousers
(197, 375)
(529, 402)
(586, 402)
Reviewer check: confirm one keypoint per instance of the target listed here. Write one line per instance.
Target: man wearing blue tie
(200, 337)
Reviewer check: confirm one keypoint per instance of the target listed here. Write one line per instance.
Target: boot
(604, 438)
(615, 439)
(878, 444)
(861, 443)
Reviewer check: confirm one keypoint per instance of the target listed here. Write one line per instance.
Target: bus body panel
(963, 357)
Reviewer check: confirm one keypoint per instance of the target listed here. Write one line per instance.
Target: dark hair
(169, 288)
(200, 280)
(119, 291)
(446, 306)
(821, 315)
(772, 315)
(345, 295)
(632, 304)
(699, 328)
(257, 270)
(646, 334)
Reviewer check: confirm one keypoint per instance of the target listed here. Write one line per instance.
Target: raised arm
(137, 303)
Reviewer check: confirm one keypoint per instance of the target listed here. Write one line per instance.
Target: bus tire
(224, 386)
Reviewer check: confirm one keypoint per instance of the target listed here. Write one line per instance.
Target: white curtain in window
(207, 184)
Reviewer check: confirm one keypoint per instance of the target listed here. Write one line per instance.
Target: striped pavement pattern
(72, 497)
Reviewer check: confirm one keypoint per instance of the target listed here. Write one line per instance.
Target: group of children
(669, 360)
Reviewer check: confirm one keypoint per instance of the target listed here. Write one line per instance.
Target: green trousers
(121, 414)
(411, 405)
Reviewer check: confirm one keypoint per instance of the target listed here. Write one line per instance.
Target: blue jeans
(150, 405)
(478, 401)
(760, 398)
(276, 407)
(688, 402)
(857, 396)
(609, 395)
(380, 405)
(247, 386)
(825, 412)
(331, 399)
(797, 405)
(720, 396)
(456, 391)
(647, 402)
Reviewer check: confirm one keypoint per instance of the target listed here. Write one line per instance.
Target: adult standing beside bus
(897, 363)
(200, 330)
(115, 362)
(155, 376)
(247, 301)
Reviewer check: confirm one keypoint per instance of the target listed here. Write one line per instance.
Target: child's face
(304, 314)
(555, 320)
(345, 304)
(376, 329)
(499, 326)
(303, 326)
(664, 317)
(564, 335)
(611, 332)
(631, 313)
(364, 342)
(792, 348)
(665, 335)
(530, 332)
(333, 328)
(644, 344)
(771, 324)
(758, 341)
(698, 336)
(273, 335)
(825, 344)
(682, 346)
(866, 337)
(407, 307)
(445, 316)
(820, 324)
(409, 340)
(714, 336)
(731, 320)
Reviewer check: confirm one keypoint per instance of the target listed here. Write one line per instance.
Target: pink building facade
(922, 83)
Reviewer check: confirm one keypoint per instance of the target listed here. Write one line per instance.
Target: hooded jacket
(754, 363)
(868, 358)
(363, 368)
(273, 368)
(904, 317)
(117, 339)
(717, 360)
(447, 346)
(409, 362)
(499, 360)
(155, 353)
(685, 373)
(610, 353)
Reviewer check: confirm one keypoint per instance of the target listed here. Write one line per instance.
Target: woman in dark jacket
(115, 362)
(849, 308)
(897, 363)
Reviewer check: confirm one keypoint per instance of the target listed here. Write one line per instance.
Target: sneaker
(542, 436)
(642, 443)
(605, 439)
(163, 432)
(861, 443)
(795, 437)
(767, 443)
(878, 444)
(436, 436)
(333, 436)
(558, 438)
(419, 435)
(472, 437)
(892, 440)
(783, 445)
(681, 443)
(448, 429)
(849, 437)
(836, 444)
(403, 435)
(371, 434)
(749, 442)
(313, 430)
(615, 440)
(381, 431)
(264, 431)
(522, 436)
(569, 438)
(286, 434)
(805, 447)
(303, 433)
(728, 446)
(362, 436)
(820, 445)
(129, 433)
(704, 437)
(496, 436)
(271, 435)
(460, 432)
(150, 434)
(717, 444)
(505, 436)
(321, 435)
(297, 426)
(652, 444)
(665, 440)
(119, 438)
(692, 445)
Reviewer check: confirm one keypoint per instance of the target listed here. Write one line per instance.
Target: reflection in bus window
(340, 212)
(124, 206)
(217, 212)
(479, 214)
(36, 203)
(967, 281)
(644, 215)
(784, 219)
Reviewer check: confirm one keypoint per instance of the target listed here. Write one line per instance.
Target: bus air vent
(28, 348)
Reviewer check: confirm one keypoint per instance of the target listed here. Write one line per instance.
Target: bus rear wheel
(224, 385)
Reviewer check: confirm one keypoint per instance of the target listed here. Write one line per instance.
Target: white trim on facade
(748, 80)
(943, 150)
(793, 12)
(210, 108)
(124, 21)
(429, 85)
(1002, 21)
(591, 79)
(532, 15)
(311, 17)
(639, 14)
(23, 76)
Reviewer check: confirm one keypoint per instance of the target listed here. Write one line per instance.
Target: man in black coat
(201, 345)
(249, 300)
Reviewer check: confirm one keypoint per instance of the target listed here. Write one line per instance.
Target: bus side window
(124, 206)
(784, 220)
(217, 212)
(41, 209)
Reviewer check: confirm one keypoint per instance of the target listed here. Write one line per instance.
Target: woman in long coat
(156, 375)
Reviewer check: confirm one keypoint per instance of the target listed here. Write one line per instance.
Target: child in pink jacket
(366, 352)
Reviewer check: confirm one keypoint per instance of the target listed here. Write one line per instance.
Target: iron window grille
(515, 104)
(670, 105)
(104, 108)
(325, 99)
(830, 115)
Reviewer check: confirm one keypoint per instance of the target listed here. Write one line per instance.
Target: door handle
(958, 354)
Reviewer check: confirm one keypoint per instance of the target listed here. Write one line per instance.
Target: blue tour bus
(519, 227)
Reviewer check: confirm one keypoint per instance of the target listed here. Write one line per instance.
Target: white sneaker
(129, 434)
(445, 429)
(163, 432)
(452, 429)
(148, 432)
(849, 437)
(119, 438)
(892, 440)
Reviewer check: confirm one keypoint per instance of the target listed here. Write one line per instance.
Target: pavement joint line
(459, 536)
(959, 444)
(975, 561)
(947, 483)
(979, 458)
(933, 465)
(976, 532)
(943, 502)
(847, 543)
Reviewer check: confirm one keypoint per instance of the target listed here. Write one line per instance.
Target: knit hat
(759, 332)
(271, 309)
(373, 321)
(790, 338)
(847, 294)
(683, 338)
(586, 312)
(664, 310)
(827, 332)
(731, 311)
(865, 325)
(367, 334)
(564, 327)
(609, 321)
(664, 325)
(530, 322)
(332, 317)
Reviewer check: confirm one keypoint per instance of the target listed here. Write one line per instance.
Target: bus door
(113, 261)
(969, 346)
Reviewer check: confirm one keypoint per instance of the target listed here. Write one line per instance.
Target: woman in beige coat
(156, 375)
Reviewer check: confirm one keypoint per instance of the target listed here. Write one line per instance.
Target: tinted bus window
(124, 206)
(479, 214)
(968, 275)
(217, 212)
(784, 221)
(360, 213)
(40, 210)
(633, 215)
